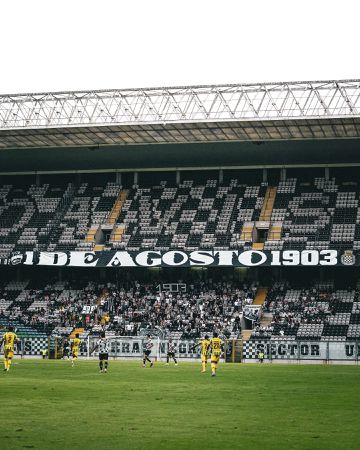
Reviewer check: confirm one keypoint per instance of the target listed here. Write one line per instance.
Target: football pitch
(49, 405)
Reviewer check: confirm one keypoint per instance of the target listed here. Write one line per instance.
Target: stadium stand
(53, 217)
(309, 215)
(127, 309)
(295, 213)
(29, 215)
(299, 215)
(188, 216)
(316, 215)
(312, 311)
(317, 311)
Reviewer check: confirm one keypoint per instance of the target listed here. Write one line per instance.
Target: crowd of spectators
(203, 307)
(290, 308)
(133, 308)
(53, 305)
(306, 306)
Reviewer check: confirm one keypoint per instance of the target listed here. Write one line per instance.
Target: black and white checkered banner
(324, 350)
(32, 346)
(181, 258)
(272, 349)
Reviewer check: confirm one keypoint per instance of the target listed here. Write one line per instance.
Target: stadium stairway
(99, 300)
(115, 212)
(266, 320)
(118, 230)
(275, 231)
(76, 331)
(117, 233)
(260, 296)
(245, 335)
(101, 296)
(268, 205)
(90, 236)
(247, 231)
(266, 213)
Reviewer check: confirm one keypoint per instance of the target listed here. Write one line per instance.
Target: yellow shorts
(8, 352)
(75, 353)
(204, 358)
(215, 357)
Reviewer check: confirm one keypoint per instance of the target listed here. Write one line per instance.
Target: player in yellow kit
(215, 345)
(75, 346)
(8, 339)
(204, 347)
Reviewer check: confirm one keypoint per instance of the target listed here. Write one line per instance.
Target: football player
(8, 339)
(215, 346)
(204, 348)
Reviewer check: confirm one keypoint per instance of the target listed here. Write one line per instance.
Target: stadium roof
(242, 112)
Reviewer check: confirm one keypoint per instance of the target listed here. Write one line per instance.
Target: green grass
(48, 405)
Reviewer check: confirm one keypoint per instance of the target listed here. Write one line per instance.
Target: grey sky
(85, 44)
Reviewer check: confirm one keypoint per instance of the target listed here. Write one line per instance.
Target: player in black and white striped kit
(103, 346)
(171, 352)
(148, 345)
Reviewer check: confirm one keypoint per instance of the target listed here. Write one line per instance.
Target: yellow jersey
(204, 346)
(215, 344)
(76, 344)
(9, 340)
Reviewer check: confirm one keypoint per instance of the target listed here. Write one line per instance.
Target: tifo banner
(181, 258)
(315, 350)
